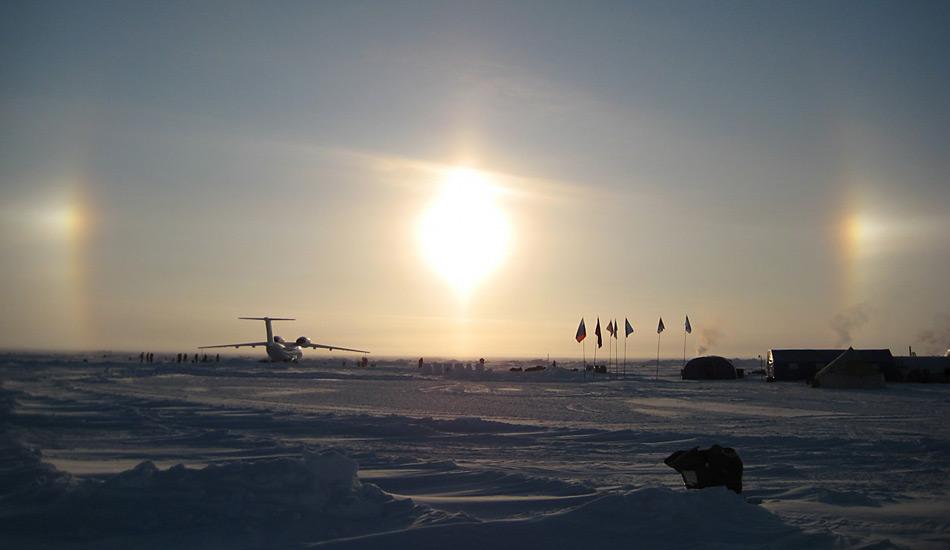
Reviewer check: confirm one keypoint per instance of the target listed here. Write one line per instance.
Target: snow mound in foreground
(315, 497)
(644, 518)
(25, 478)
(662, 517)
(324, 481)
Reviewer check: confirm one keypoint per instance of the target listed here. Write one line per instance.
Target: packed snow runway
(244, 454)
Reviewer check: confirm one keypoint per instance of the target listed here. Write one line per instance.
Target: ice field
(111, 453)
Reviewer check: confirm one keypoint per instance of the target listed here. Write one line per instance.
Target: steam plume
(709, 337)
(848, 321)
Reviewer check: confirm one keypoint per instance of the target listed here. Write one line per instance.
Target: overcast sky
(778, 171)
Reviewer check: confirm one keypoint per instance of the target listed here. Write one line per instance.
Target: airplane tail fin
(267, 320)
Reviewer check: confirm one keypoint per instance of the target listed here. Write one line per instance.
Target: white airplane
(277, 348)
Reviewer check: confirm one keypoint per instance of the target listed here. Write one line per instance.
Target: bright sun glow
(863, 235)
(64, 221)
(463, 234)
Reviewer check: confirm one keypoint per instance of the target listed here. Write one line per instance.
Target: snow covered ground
(109, 453)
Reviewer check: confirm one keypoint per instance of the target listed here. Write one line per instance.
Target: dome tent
(710, 367)
(851, 370)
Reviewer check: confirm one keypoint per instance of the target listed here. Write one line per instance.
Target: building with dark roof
(924, 369)
(851, 370)
(803, 364)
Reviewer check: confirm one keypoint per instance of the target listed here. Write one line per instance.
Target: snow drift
(279, 501)
(644, 518)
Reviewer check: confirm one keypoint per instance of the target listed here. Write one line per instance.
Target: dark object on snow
(516, 369)
(710, 467)
(535, 368)
(850, 370)
(924, 369)
(710, 367)
(803, 364)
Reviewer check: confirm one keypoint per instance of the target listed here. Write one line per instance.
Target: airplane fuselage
(277, 351)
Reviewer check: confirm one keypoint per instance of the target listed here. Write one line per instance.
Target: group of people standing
(183, 358)
(149, 357)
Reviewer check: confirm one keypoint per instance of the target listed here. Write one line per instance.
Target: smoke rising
(709, 337)
(848, 321)
(936, 340)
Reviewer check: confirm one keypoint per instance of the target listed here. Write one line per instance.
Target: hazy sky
(778, 171)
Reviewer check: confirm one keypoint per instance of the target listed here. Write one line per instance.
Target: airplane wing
(331, 348)
(251, 344)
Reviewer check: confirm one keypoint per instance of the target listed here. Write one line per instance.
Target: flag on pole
(600, 340)
(660, 328)
(689, 329)
(616, 329)
(611, 329)
(581, 332)
(628, 328)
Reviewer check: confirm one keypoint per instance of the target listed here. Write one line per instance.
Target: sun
(463, 234)
(862, 234)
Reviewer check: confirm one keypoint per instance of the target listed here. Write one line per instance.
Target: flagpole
(610, 355)
(687, 329)
(581, 338)
(610, 368)
(627, 330)
(595, 360)
(657, 376)
(617, 349)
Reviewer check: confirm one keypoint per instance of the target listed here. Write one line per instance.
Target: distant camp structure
(804, 364)
(924, 369)
(851, 370)
(710, 367)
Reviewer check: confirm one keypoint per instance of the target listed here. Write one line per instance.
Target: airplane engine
(278, 339)
(303, 341)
